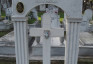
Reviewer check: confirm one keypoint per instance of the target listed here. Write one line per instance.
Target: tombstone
(73, 20)
(4, 5)
(46, 32)
(35, 13)
(52, 9)
(86, 18)
(42, 7)
(51, 6)
(8, 4)
(55, 20)
(55, 23)
(9, 11)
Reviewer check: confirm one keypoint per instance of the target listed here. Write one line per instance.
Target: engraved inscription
(46, 1)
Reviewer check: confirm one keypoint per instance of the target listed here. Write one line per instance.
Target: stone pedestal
(21, 40)
(72, 44)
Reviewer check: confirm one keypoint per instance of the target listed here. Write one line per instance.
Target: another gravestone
(42, 7)
(9, 11)
(35, 13)
(86, 18)
(55, 23)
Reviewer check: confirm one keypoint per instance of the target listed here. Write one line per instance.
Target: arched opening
(58, 21)
(36, 13)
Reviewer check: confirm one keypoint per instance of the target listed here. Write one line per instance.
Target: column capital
(20, 19)
(79, 20)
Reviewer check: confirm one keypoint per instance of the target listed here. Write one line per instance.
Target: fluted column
(21, 40)
(72, 44)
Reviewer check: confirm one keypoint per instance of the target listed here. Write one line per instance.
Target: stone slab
(86, 38)
(57, 50)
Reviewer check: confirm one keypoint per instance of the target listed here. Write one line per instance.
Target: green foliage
(2, 33)
(61, 14)
(31, 21)
(40, 14)
(3, 13)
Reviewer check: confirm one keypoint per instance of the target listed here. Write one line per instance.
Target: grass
(31, 21)
(40, 14)
(2, 33)
(3, 14)
(61, 14)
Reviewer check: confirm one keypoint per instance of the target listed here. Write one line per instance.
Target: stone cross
(46, 32)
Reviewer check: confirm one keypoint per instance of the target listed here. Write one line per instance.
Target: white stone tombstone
(42, 7)
(9, 11)
(52, 9)
(55, 23)
(35, 13)
(87, 15)
(51, 6)
(4, 5)
(85, 21)
(73, 9)
(47, 10)
(46, 32)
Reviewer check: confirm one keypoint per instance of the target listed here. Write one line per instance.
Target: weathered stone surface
(73, 8)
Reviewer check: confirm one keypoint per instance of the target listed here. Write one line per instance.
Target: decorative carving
(46, 34)
(46, 1)
(20, 7)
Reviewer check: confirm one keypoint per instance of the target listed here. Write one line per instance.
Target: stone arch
(73, 8)
(45, 3)
(68, 7)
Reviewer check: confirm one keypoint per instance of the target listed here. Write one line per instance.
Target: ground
(39, 62)
(2, 33)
